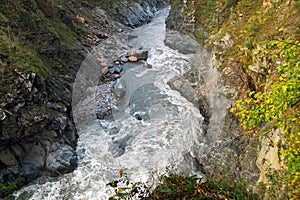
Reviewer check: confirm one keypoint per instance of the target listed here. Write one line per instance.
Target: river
(168, 128)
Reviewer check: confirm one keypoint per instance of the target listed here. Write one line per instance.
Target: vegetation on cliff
(278, 104)
(256, 44)
(262, 41)
(39, 55)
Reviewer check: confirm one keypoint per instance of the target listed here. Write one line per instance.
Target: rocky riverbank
(42, 47)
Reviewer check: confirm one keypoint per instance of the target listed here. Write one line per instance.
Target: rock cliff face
(42, 46)
(231, 31)
(225, 154)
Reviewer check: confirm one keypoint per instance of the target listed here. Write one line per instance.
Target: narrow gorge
(90, 88)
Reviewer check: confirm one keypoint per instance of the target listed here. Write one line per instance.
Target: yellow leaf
(284, 88)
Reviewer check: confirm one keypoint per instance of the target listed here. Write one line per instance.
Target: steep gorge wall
(42, 46)
(230, 32)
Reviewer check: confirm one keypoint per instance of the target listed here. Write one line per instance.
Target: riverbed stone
(140, 54)
(116, 149)
(119, 88)
(116, 70)
(105, 70)
(147, 66)
(123, 59)
(133, 58)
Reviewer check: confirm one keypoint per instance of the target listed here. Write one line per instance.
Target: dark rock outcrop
(42, 46)
(134, 13)
(37, 133)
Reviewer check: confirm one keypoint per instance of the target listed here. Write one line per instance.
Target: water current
(169, 126)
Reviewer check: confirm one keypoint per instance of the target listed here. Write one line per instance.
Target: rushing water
(170, 126)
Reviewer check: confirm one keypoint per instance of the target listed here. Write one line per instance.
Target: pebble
(105, 70)
(116, 70)
(123, 59)
(117, 62)
(116, 76)
(132, 59)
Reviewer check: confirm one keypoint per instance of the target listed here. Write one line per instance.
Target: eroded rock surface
(224, 153)
(38, 134)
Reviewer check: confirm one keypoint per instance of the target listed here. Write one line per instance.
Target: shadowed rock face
(37, 132)
(134, 13)
(224, 152)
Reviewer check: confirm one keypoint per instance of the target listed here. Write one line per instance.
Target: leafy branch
(278, 104)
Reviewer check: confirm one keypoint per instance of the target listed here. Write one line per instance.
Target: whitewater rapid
(169, 128)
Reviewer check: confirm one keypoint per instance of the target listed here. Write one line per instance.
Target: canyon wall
(227, 67)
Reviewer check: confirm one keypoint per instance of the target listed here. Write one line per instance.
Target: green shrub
(8, 187)
(176, 186)
(127, 189)
(278, 104)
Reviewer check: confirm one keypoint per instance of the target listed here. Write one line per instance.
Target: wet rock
(36, 157)
(193, 168)
(115, 70)
(147, 66)
(102, 35)
(116, 76)
(131, 36)
(183, 43)
(107, 79)
(184, 87)
(105, 70)
(140, 54)
(29, 171)
(123, 59)
(116, 62)
(138, 116)
(118, 146)
(104, 113)
(114, 130)
(61, 160)
(116, 149)
(119, 89)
